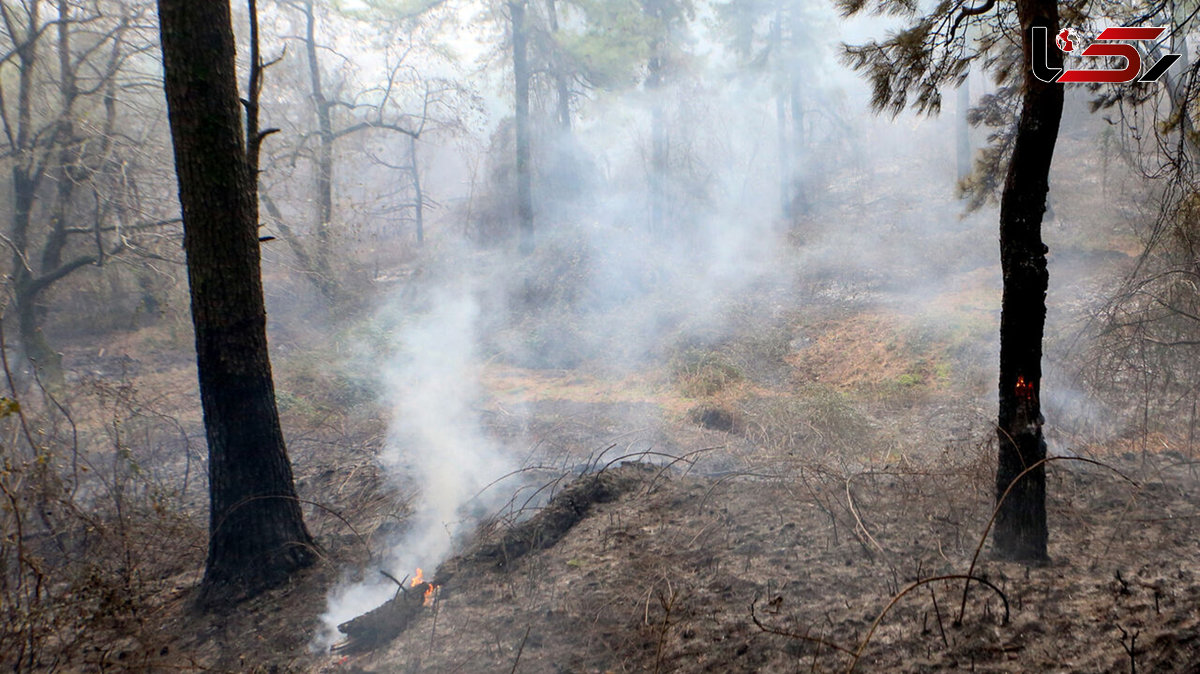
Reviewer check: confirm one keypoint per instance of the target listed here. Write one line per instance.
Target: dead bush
(91, 534)
(700, 373)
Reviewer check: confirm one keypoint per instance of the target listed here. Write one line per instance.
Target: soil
(819, 512)
(791, 571)
(780, 524)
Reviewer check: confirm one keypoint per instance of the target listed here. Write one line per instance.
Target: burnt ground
(832, 456)
(790, 535)
(782, 566)
(787, 568)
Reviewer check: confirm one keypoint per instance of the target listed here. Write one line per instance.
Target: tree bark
(26, 177)
(257, 536)
(962, 135)
(782, 91)
(562, 81)
(1020, 530)
(325, 138)
(25, 291)
(800, 197)
(658, 128)
(520, 39)
(418, 194)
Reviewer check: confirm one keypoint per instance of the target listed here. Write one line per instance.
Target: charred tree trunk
(1020, 529)
(257, 536)
(520, 38)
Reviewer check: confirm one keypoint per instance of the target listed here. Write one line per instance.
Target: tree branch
(42, 282)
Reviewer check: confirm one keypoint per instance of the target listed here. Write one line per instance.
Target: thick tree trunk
(46, 361)
(257, 536)
(1020, 530)
(26, 178)
(520, 39)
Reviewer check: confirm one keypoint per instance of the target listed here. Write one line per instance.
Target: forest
(366, 336)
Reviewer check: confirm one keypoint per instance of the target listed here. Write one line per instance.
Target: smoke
(435, 442)
(605, 292)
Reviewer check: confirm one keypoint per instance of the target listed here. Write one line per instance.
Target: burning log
(539, 532)
(387, 622)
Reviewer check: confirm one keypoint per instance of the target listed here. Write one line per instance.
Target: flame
(430, 590)
(1024, 389)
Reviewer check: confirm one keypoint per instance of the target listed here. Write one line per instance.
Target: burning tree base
(539, 532)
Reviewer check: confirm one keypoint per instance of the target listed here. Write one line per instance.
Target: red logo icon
(1063, 40)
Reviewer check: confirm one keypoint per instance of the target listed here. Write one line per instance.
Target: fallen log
(543, 530)
(381, 625)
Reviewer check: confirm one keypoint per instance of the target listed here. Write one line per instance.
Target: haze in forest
(710, 240)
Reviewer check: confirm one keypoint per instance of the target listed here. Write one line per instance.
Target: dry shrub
(92, 534)
(817, 422)
(699, 373)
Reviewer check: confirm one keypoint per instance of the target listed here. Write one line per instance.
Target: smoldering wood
(381, 625)
(565, 510)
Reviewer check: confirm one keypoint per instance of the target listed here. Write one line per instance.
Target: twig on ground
(520, 649)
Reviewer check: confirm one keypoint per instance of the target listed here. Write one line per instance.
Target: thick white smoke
(434, 441)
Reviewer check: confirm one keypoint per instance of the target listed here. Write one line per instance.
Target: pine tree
(909, 69)
(257, 536)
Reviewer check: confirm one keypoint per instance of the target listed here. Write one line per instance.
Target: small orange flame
(418, 580)
(1024, 389)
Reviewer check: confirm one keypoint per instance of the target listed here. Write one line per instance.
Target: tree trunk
(26, 177)
(46, 361)
(323, 108)
(800, 198)
(257, 536)
(418, 194)
(524, 175)
(781, 121)
(64, 184)
(658, 135)
(562, 82)
(962, 133)
(1020, 529)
